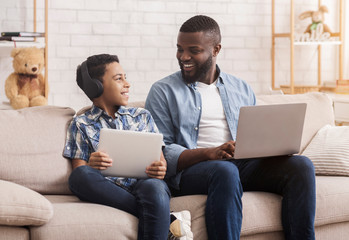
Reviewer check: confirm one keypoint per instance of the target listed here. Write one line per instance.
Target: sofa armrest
(20, 206)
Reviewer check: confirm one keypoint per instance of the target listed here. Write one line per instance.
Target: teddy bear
(25, 87)
(317, 17)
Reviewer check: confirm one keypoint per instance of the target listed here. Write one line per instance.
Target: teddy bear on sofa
(25, 87)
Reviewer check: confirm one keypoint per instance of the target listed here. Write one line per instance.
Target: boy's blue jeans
(224, 182)
(149, 199)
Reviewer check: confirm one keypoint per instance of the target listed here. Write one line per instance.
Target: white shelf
(8, 44)
(317, 43)
(335, 40)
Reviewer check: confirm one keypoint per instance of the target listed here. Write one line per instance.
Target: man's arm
(177, 156)
(157, 105)
(190, 157)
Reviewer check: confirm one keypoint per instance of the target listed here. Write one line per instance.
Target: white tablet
(132, 152)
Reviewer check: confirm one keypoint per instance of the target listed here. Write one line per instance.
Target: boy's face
(115, 86)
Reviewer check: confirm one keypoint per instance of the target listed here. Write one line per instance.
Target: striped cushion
(329, 151)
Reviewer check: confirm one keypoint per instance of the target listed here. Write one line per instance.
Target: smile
(187, 66)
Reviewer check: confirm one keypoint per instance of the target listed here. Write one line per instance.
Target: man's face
(195, 53)
(115, 86)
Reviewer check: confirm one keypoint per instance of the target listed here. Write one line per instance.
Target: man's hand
(225, 150)
(157, 169)
(100, 161)
(189, 157)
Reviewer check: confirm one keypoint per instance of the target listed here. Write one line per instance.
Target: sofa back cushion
(319, 111)
(32, 142)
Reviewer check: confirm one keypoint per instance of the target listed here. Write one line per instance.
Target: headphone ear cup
(93, 88)
(97, 89)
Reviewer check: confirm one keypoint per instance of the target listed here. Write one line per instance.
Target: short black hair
(202, 23)
(96, 66)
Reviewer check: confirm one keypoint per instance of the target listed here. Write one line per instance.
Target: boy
(103, 80)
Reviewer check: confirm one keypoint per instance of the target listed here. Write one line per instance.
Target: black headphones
(92, 87)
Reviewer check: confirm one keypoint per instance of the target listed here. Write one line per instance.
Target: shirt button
(68, 148)
(196, 128)
(199, 108)
(110, 120)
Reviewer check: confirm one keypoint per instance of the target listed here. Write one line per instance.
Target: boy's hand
(157, 169)
(100, 161)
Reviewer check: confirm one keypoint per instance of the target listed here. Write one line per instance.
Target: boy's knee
(154, 187)
(80, 175)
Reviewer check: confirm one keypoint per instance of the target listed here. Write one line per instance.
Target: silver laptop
(269, 130)
(130, 151)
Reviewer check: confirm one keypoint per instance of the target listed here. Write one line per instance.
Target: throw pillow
(329, 151)
(20, 206)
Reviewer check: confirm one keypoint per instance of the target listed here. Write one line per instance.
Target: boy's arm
(78, 162)
(98, 160)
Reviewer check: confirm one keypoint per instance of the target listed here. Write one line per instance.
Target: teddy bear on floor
(317, 17)
(25, 87)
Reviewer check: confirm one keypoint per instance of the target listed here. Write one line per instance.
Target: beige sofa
(35, 201)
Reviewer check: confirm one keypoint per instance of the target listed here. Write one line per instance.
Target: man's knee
(302, 173)
(302, 164)
(225, 171)
(225, 177)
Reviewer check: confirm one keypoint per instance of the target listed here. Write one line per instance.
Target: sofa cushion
(261, 214)
(196, 205)
(20, 206)
(73, 216)
(319, 111)
(74, 219)
(31, 148)
(332, 200)
(262, 211)
(329, 151)
(14, 233)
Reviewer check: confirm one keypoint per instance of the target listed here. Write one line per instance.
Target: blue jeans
(224, 182)
(149, 199)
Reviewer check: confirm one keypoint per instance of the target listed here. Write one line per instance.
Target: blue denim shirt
(176, 109)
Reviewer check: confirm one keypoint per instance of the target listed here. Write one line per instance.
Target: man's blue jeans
(149, 199)
(292, 177)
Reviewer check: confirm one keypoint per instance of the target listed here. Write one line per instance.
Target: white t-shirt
(213, 127)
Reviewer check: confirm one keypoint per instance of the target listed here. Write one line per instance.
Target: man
(197, 110)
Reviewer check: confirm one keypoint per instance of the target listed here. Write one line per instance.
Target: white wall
(143, 34)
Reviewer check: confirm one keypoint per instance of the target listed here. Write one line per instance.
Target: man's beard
(201, 72)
